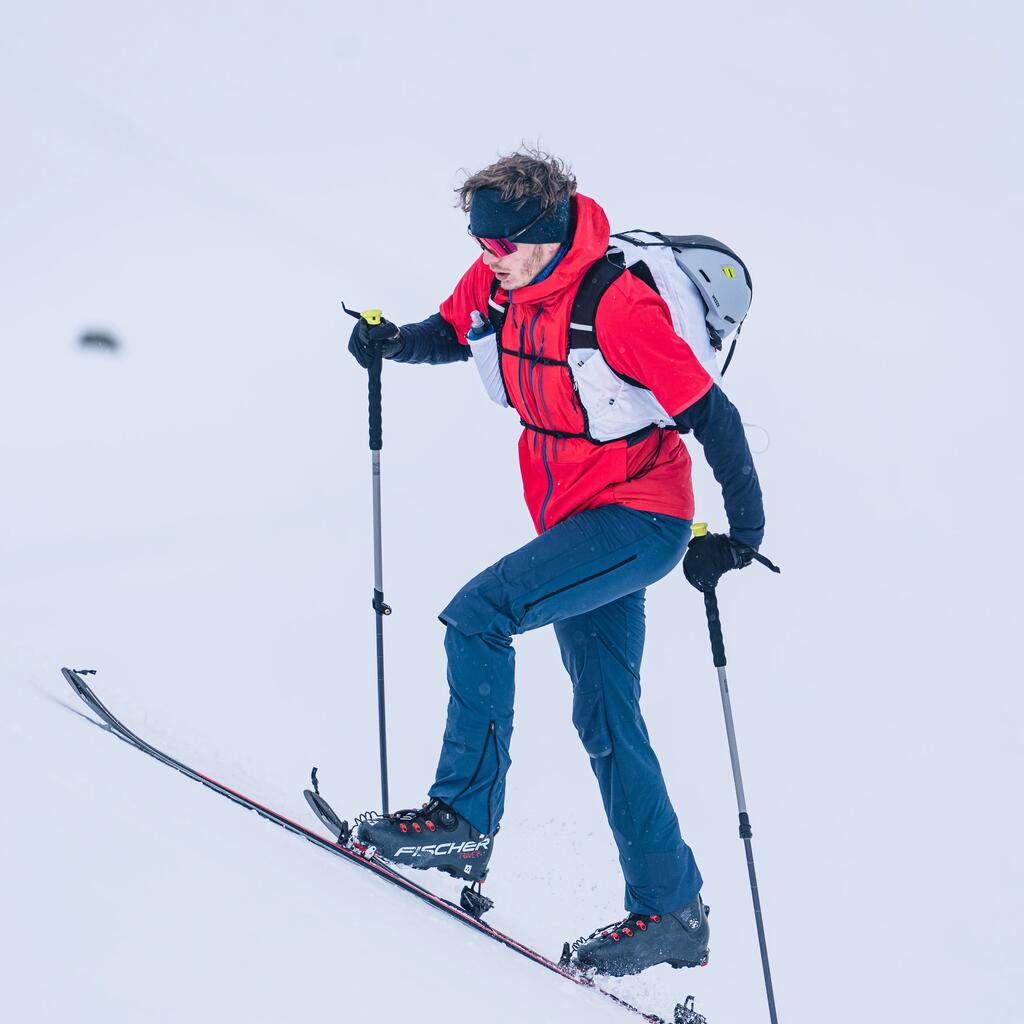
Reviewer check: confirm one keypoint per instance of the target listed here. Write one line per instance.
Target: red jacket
(562, 476)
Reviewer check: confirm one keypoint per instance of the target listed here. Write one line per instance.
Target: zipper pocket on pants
(579, 583)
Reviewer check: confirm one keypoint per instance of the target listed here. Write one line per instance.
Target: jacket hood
(589, 243)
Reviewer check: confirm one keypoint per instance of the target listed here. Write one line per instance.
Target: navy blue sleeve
(431, 341)
(717, 425)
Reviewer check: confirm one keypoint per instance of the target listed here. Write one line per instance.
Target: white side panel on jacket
(614, 407)
(485, 355)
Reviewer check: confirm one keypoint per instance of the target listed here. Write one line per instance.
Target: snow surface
(190, 515)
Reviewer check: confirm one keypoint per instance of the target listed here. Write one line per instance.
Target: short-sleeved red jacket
(562, 476)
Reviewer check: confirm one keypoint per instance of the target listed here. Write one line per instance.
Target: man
(611, 499)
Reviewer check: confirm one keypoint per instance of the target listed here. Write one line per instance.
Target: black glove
(710, 557)
(365, 339)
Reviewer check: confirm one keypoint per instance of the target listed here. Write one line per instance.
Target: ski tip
(75, 674)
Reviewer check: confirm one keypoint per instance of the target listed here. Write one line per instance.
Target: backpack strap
(495, 312)
(596, 281)
(643, 272)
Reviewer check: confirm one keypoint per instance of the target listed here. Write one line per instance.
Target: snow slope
(191, 514)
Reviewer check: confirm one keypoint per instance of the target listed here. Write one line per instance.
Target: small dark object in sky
(99, 339)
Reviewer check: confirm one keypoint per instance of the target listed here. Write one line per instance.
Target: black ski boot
(644, 940)
(434, 836)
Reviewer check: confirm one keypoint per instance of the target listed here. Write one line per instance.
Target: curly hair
(528, 173)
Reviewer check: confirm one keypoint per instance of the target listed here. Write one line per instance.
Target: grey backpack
(684, 269)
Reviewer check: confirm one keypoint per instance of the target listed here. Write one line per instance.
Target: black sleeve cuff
(431, 341)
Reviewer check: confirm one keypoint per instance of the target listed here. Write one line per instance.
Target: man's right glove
(365, 339)
(710, 557)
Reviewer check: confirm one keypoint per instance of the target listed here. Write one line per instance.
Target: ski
(684, 1012)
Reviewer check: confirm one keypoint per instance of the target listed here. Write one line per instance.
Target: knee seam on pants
(479, 614)
(593, 727)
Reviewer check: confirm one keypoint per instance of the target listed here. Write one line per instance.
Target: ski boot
(433, 836)
(644, 940)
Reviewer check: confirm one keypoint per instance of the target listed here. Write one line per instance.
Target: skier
(613, 510)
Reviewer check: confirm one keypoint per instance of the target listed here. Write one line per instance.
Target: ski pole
(373, 317)
(746, 832)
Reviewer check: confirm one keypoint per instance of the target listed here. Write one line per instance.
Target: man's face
(519, 268)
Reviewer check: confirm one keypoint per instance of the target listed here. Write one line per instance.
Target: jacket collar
(589, 243)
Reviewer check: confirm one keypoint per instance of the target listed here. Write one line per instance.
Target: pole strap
(754, 554)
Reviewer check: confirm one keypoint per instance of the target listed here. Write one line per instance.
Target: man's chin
(512, 283)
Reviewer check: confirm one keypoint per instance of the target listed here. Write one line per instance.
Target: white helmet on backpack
(705, 284)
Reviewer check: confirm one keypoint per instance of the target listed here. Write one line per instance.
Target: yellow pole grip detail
(371, 316)
(699, 530)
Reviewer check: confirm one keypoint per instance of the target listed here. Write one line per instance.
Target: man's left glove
(366, 339)
(710, 557)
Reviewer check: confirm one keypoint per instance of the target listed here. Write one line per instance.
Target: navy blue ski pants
(586, 576)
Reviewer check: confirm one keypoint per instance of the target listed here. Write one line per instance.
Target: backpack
(705, 284)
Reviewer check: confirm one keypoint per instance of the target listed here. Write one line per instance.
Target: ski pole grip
(376, 426)
(715, 628)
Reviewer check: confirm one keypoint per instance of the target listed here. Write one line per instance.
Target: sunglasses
(500, 247)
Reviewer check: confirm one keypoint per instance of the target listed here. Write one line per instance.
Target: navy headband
(490, 216)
